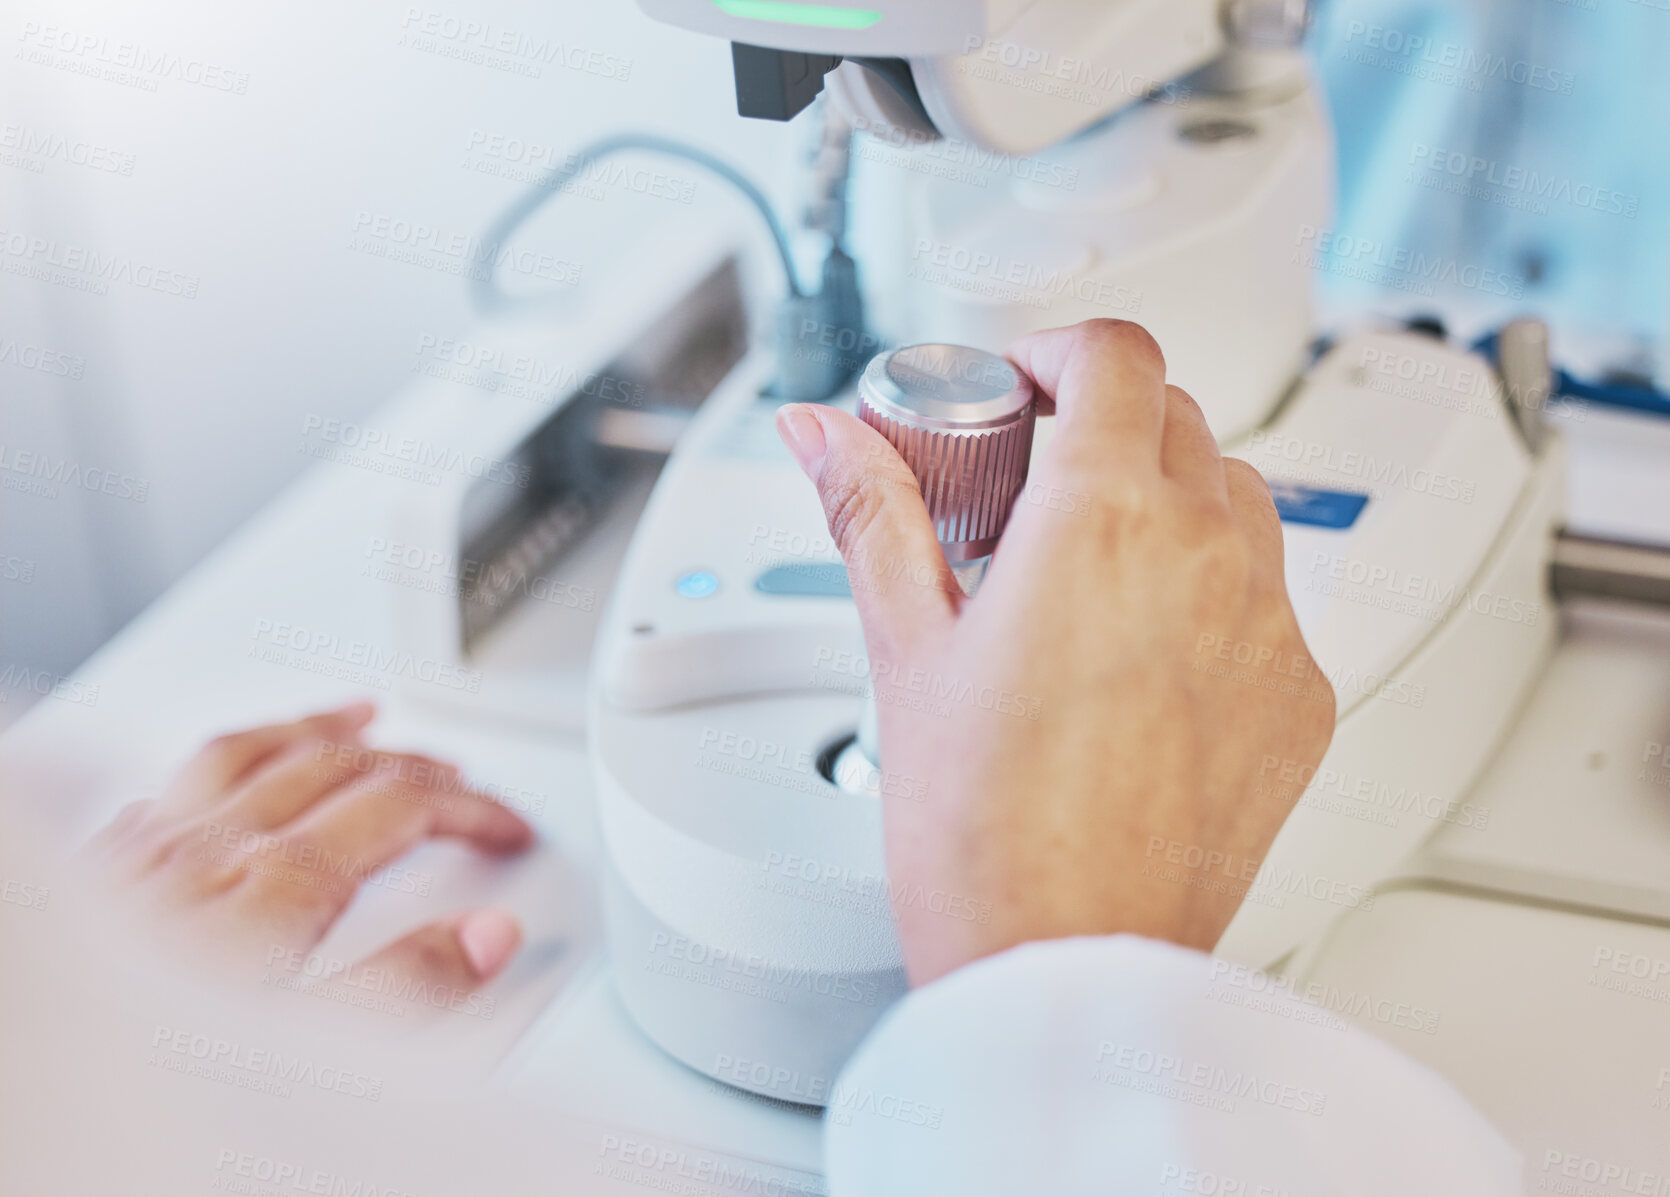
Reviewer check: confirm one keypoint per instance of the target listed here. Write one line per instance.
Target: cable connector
(821, 340)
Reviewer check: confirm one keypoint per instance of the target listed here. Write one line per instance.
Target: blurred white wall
(184, 189)
(180, 187)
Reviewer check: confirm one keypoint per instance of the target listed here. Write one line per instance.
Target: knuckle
(1081, 466)
(1227, 553)
(1313, 721)
(378, 768)
(1133, 496)
(1124, 512)
(1327, 715)
(133, 815)
(433, 956)
(1181, 396)
(430, 773)
(225, 749)
(1222, 566)
(312, 906)
(1272, 610)
(1324, 710)
(1246, 477)
(386, 769)
(159, 849)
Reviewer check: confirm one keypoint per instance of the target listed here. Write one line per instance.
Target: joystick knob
(962, 419)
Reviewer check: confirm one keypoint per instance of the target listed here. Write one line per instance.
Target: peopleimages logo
(1363, 257)
(493, 368)
(1562, 1169)
(1475, 172)
(21, 893)
(709, 960)
(1208, 1081)
(24, 146)
(258, 1068)
(987, 273)
(1281, 777)
(1412, 51)
(493, 584)
(894, 680)
(975, 158)
(431, 247)
(361, 985)
(1359, 1006)
(1224, 872)
(834, 878)
(123, 61)
(41, 257)
(514, 50)
(56, 363)
(653, 1167)
(1081, 79)
(1387, 587)
(39, 474)
(315, 650)
(1327, 461)
(423, 455)
(242, 1171)
(592, 177)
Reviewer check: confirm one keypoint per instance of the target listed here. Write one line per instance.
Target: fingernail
(489, 939)
(802, 433)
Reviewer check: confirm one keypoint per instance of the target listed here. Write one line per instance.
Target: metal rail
(1615, 569)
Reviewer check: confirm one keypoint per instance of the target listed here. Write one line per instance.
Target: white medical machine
(748, 901)
(1422, 488)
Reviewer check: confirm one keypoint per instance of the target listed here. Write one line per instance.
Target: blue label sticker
(1317, 508)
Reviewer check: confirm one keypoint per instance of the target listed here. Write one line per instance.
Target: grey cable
(485, 289)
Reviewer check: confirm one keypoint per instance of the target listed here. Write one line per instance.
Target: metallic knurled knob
(962, 419)
(1267, 24)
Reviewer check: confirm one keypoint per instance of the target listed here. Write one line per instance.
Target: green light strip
(824, 15)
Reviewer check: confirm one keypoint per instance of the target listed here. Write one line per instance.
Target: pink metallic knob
(962, 420)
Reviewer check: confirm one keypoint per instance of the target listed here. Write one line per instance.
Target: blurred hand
(263, 838)
(1136, 630)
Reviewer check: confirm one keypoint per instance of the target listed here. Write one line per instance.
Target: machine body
(749, 910)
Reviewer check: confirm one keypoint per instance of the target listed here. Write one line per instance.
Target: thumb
(463, 952)
(900, 580)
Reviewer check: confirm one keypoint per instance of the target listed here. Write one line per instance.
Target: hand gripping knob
(962, 419)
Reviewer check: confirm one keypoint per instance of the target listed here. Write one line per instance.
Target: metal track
(1615, 569)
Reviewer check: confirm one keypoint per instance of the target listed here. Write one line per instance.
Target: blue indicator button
(805, 579)
(698, 583)
(1315, 507)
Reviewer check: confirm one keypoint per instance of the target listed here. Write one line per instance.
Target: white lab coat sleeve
(1121, 1065)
